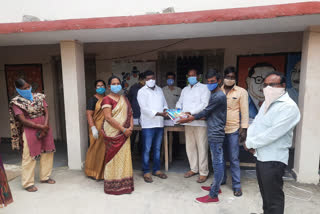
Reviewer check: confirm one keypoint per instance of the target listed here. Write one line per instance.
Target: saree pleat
(5, 193)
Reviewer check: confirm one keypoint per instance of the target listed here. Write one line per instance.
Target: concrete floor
(75, 193)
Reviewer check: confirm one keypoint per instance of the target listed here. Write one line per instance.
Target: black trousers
(270, 181)
(133, 140)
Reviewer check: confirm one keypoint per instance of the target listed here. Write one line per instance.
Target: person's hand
(186, 120)
(43, 127)
(243, 135)
(95, 132)
(43, 134)
(188, 113)
(252, 151)
(128, 132)
(162, 114)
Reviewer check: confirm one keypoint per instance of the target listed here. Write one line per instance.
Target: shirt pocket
(232, 102)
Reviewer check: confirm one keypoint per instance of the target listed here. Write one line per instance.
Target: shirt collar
(285, 97)
(235, 87)
(195, 85)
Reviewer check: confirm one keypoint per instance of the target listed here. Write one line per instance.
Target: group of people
(217, 119)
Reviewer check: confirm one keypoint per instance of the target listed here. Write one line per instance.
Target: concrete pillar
(72, 60)
(49, 90)
(307, 151)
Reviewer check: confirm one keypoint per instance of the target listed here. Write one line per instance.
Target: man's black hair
(171, 74)
(148, 73)
(229, 70)
(213, 73)
(192, 69)
(258, 65)
(279, 74)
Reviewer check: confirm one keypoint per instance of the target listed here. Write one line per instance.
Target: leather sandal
(49, 181)
(160, 175)
(202, 179)
(147, 178)
(237, 192)
(31, 189)
(189, 174)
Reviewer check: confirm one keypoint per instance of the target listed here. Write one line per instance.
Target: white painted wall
(14, 10)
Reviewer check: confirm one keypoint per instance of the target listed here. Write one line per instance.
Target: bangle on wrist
(124, 130)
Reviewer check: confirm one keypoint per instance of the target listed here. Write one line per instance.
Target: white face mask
(151, 83)
(271, 94)
(228, 82)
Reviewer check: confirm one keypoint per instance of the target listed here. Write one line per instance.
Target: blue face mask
(115, 88)
(192, 80)
(170, 81)
(212, 86)
(100, 90)
(25, 93)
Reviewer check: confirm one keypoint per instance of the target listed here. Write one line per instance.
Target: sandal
(31, 189)
(160, 175)
(202, 179)
(237, 192)
(49, 181)
(189, 174)
(147, 178)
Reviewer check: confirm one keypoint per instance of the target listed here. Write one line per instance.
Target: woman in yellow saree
(117, 128)
(94, 165)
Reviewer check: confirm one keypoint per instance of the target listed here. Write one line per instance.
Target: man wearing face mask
(215, 114)
(237, 101)
(153, 108)
(132, 97)
(194, 98)
(171, 92)
(270, 137)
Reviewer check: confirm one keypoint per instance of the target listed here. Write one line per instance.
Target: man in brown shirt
(237, 119)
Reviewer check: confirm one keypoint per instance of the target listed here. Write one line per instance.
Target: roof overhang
(225, 22)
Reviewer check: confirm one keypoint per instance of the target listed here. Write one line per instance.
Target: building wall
(105, 52)
(28, 55)
(233, 45)
(71, 9)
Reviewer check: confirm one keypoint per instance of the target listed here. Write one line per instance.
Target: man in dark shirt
(132, 97)
(215, 114)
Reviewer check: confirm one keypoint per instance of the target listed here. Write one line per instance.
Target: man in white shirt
(153, 107)
(194, 98)
(270, 137)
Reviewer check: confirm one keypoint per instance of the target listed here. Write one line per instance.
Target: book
(176, 114)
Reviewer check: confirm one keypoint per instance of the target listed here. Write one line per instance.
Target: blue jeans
(231, 149)
(216, 149)
(151, 138)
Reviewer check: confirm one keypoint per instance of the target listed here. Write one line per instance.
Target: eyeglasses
(100, 86)
(258, 79)
(270, 84)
